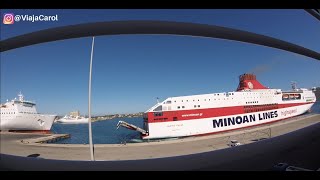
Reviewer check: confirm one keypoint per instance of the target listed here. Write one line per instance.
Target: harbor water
(103, 132)
(106, 132)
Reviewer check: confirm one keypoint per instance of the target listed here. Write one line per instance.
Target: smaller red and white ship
(21, 116)
(252, 104)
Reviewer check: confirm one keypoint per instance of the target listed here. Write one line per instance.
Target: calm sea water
(105, 132)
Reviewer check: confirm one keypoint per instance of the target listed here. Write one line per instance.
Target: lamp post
(89, 105)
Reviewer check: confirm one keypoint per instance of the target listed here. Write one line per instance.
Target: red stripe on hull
(32, 131)
(293, 104)
(208, 113)
(201, 113)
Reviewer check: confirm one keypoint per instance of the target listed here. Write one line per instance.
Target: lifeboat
(285, 96)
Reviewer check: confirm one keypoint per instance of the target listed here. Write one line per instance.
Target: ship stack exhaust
(249, 81)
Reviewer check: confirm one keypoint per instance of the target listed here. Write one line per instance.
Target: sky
(131, 71)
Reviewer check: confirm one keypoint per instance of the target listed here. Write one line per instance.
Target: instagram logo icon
(8, 19)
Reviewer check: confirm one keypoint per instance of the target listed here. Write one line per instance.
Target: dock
(46, 139)
(26, 144)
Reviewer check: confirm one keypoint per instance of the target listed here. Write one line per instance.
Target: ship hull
(27, 122)
(72, 121)
(211, 125)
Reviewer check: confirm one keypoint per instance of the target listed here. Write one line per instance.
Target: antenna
(20, 96)
(294, 85)
(157, 99)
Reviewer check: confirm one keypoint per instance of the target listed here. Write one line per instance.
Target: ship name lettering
(236, 120)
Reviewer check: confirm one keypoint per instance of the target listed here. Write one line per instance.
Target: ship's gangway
(131, 126)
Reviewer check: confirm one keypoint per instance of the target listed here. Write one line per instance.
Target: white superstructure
(21, 115)
(69, 119)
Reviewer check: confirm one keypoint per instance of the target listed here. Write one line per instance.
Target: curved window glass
(159, 108)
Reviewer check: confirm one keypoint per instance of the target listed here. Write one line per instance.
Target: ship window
(187, 100)
(178, 107)
(159, 108)
(168, 102)
(158, 114)
(181, 100)
(182, 106)
(195, 106)
(198, 105)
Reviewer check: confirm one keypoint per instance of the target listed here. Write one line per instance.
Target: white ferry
(20, 115)
(252, 104)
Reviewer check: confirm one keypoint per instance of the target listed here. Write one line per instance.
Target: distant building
(75, 113)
